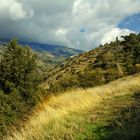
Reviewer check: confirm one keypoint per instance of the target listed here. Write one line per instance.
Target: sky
(80, 24)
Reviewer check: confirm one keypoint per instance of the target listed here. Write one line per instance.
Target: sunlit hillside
(54, 119)
(69, 70)
(99, 66)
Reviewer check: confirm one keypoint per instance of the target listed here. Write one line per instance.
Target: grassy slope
(66, 116)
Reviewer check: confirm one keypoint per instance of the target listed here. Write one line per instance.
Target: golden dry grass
(74, 101)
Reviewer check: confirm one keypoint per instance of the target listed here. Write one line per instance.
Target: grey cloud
(60, 21)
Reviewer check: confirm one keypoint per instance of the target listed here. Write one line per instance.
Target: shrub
(92, 78)
(18, 85)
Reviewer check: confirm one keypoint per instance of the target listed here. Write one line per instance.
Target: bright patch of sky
(131, 23)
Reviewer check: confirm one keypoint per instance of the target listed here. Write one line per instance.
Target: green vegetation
(22, 74)
(109, 121)
(48, 56)
(105, 112)
(126, 124)
(99, 66)
(18, 85)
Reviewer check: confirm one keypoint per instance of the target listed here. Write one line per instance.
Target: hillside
(87, 114)
(99, 66)
(21, 72)
(55, 49)
(49, 54)
(21, 90)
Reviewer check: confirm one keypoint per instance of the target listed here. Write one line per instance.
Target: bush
(92, 78)
(111, 75)
(64, 83)
(18, 85)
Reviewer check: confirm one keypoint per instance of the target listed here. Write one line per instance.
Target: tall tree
(18, 69)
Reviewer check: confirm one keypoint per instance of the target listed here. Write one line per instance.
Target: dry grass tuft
(74, 101)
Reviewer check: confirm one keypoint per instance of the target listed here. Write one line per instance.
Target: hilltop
(99, 66)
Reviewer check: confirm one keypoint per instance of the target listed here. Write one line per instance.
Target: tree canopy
(18, 84)
(17, 68)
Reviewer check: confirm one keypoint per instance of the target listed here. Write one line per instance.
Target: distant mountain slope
(49, 54)
(98, 66)
(57, 50)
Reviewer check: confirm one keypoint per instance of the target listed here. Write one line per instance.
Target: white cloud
(13, 10)
(115, 32)
(61, 21)
(61, 32)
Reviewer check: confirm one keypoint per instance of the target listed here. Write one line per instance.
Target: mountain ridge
(51, 48)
